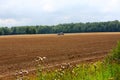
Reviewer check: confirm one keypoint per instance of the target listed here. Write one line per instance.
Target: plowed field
(19, 52)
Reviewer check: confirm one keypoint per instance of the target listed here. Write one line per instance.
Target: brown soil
(19, 52)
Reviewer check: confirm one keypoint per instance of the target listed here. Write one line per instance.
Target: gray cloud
(49, 12)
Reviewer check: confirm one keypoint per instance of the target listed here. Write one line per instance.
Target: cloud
(10, 22)
(49, 12)
(105, 6)
(111, 6)
(48, 8)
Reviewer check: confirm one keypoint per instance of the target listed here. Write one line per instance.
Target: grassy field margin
(108, 69)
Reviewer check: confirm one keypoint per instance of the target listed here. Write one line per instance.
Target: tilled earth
(20, 52)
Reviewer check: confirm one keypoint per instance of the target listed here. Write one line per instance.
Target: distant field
(19, 51)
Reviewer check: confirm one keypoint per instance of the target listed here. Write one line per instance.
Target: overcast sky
(52, 12)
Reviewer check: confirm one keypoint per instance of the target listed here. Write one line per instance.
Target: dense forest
(110, 26)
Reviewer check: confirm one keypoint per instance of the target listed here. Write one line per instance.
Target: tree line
(110, 26)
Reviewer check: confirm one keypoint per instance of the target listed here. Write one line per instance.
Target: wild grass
(93, 71)
(108, 69)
